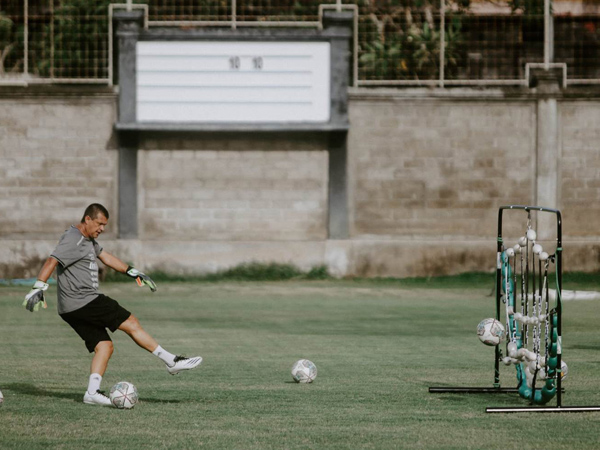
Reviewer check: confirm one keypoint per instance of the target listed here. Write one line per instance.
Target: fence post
(442, 40)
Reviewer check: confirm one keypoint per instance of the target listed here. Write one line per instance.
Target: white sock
(94, 383)
(168, 358)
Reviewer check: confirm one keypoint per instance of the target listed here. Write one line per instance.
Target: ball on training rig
(544, 256)
(510, 252)
(531, 235)
(564, 369)
(490, 332)
(507, 360)
(517, 248)
(511, 348)
(537, 249)
(522, 241)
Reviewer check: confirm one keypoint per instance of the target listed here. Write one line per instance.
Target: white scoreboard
(231, 81)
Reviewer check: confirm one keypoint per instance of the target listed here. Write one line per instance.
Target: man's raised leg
(175, 364)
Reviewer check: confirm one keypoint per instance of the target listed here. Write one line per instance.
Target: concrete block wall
(580, 169)
(243, 190)
(426, 172)
(55, 156)
(434, 169)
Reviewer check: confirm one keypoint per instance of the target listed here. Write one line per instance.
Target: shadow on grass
(30, 389)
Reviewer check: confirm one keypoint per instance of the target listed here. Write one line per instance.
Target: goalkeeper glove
(141, 278)
(36, 297)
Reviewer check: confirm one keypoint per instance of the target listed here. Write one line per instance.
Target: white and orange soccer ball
(124, 395)
(490, 332)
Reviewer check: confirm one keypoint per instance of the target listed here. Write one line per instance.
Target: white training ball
(517, 248)
(510, 252)
(534, 320)
(564, 369)
(123, 395)
(304, 371)
(506, 360)
(511, 348)
(510, 310)
(531, 356)
(518, 316)
(521, 353)
(490, 331)
(542, 318)
(532, 366)
(522, 241)
(531, 235)
(537, 249)
(544, 256)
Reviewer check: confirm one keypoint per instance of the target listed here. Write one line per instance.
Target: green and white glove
(141, 278)
(35, 297)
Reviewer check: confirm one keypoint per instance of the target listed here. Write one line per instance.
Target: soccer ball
(304, 371)
(490, 332)
(123, 395)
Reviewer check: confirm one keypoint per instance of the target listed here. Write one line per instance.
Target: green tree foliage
(404, 41)
(7, 42)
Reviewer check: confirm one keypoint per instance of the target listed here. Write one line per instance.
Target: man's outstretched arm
(118, 265)
(35, 297)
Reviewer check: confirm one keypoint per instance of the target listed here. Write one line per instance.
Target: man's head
(94, 220)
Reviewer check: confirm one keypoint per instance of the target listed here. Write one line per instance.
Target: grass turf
(378, 347)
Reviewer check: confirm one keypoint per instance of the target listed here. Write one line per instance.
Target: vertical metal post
(129, 8)
(498, 295)
(559, 306)
(548, 39)
(26, 38)
(443, 39)
(51, 2)
(233, 14)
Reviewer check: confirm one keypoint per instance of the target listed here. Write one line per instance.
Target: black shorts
(91, 321)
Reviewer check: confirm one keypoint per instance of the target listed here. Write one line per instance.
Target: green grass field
(378, 347)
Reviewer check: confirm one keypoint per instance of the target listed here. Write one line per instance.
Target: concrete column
(129, 26)
(338, 24)
(547, 85)
(338, 186)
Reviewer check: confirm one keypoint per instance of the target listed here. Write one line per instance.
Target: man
(88, 311)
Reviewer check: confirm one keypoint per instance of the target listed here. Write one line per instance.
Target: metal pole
(499, 250)
(443, 39)
(26, 39)
(547, 38)
(51, 39)
(233, 14)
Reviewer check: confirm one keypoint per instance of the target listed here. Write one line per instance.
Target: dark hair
(93, 210)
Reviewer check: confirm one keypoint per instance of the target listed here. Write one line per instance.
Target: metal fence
(396, 42)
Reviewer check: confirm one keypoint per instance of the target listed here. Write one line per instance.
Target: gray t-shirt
(77, 270)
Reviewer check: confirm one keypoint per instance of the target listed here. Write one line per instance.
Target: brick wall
(580, 168)
(426, 176)
(431, 169)
(233, 190)
(55, 156)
